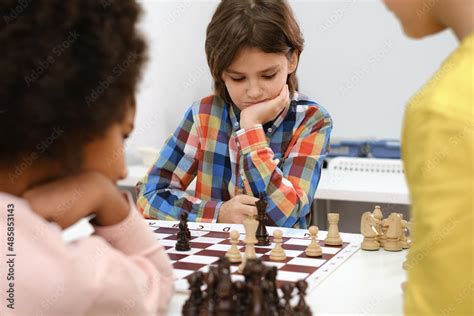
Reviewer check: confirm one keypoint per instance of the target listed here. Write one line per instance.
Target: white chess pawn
(333, 238)
(277, 253)
(233, 254)
(313, 250)
(250, 226)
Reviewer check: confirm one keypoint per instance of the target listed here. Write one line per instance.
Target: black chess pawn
(272, 301)
(302, 309)
(287, 290)
(183, 242)
(183, 221)
(183, 235)
(261, 233)
(211, 282)
(192, 306)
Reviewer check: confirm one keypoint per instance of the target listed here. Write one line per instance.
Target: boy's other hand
(237, 209)
(67, 200)
(266, 111)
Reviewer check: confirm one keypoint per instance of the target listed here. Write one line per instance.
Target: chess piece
(277, 253)
(394, 224)
(183, 241)
(313, 249)
(403, 237)
(287, 290)
(210, 300)
(250, 226)
(262, 234)
(302, 309)
(225, 303)
(333, 238)
(272, 302)
(183, 220)
(378, 216)
(384, 227)
(256, 270)
(368, 230)
(192, 306)
(242, 297)
(233, 254)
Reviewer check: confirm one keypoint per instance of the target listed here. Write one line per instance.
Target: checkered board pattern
(211, 241)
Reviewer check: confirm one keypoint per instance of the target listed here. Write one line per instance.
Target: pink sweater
(120, 270)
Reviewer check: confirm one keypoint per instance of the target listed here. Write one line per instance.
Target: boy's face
(418, 17)
(106, 154)
(255, 76)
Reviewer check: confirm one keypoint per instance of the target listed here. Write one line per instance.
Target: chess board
(211, 241)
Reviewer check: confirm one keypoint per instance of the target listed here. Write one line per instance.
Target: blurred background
(357, 63)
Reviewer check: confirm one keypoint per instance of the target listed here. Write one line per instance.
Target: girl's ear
(292, 62)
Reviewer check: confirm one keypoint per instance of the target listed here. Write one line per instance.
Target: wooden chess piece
(378, 215)
(257, 300)
(183, 242)
(277, 253)
(394, 224)
(192, 306)
(272, 306)
(233, 254)
(403, 237)
(302, 309)
(313, 249)
(183, 220)
(225, 303)
(250, 226)
(333, 238)
(368, 230)
(287, 290)
(262, 234)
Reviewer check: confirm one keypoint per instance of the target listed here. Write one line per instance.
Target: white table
(368, 283)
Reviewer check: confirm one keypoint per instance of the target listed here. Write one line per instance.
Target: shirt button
(270, 130)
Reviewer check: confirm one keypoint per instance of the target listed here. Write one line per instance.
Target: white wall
(357, 63)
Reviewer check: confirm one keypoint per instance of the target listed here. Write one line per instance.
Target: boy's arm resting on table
(290, 185)
(162, 192)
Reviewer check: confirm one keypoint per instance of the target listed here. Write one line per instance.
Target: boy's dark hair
(69, 69)
(268, 25)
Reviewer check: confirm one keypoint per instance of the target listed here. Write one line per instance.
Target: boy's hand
(236, 209)
(67, 200)
(266, 111)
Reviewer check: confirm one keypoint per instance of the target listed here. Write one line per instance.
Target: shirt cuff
(251, 139)
(131, 236)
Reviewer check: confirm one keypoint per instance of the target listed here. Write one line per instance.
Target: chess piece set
(258, 295)
(391, 233)
(214, 292)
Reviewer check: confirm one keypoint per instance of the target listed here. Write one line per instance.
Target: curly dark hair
(68, 66)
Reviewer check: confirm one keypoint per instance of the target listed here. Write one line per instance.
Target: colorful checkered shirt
(284, 162)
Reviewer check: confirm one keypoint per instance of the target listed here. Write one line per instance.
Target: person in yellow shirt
(437, 149)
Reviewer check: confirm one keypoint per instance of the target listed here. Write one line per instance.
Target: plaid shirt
(283, 161)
